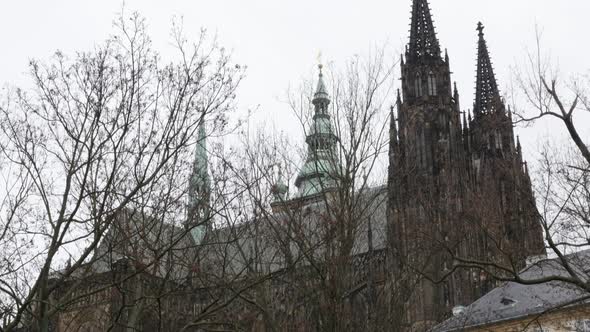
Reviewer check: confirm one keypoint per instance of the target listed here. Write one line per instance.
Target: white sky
(279, 40)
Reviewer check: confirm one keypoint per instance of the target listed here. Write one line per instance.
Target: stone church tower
(496, 165)
(455, 189)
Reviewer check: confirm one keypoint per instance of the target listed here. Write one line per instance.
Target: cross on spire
(480, 28)
(423, 41)
(487, 95)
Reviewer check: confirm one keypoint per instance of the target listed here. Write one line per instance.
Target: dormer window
(431, 84)
(418, 83)
(508, 301)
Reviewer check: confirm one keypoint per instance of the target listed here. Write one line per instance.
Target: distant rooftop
(515, 301)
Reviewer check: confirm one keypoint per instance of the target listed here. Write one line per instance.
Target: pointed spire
(322, 165)
(423, 42)
(398, 100)
(280, 190)
(455, 91)
(199, 186)
(199, 182)
(487, 95)
(321, 93)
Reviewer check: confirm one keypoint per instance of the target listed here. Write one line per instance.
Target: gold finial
(320, 66)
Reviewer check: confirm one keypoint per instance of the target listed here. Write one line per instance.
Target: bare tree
(98, 135)
(560, 186)
(540, 83)
(325, 241)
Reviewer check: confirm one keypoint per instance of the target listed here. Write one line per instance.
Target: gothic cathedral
(458, 189)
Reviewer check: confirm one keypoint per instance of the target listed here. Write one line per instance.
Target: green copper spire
(322, 165)
(199, 188)
(321, 93)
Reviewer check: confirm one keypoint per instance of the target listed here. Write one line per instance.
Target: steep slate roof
(136, 238)
(517, 301)
(233, 248)
(225, 252)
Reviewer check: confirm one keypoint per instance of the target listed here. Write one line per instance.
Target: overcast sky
(279, 40)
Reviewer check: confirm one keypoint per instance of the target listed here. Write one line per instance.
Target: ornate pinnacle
(280, 188)
(464, 122)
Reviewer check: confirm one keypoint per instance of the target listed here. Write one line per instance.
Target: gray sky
(279, 40)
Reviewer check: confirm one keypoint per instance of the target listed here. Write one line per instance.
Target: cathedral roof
(235, 247)
(136, 238)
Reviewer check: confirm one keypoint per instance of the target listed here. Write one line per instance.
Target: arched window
(431, 84)
(418, 83)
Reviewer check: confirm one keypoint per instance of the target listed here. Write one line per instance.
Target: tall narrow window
(503, 195)
(431, 84)
(422, 149)
(418, 83)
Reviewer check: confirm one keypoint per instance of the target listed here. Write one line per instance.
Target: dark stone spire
(423, 45)
(487, 95)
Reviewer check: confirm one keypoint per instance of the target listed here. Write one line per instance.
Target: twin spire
(423, 42)
(487, 95)
(424, 46)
